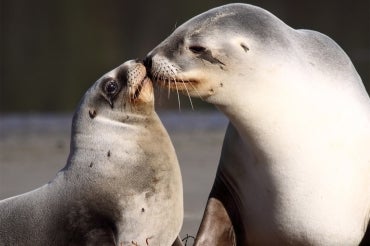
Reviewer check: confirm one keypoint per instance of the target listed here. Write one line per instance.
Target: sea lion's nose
(148, 62)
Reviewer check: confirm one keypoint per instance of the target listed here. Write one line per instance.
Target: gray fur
(117, 186)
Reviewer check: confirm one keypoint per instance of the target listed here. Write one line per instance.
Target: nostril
(148, 65)
(148, 62)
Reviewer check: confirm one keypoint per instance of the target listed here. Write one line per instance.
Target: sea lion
(295, 162)
(117, 188)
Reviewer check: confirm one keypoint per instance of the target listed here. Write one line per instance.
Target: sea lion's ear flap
(244, 46)
(241, 42)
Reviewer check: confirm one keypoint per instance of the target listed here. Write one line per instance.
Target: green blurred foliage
(52, 51)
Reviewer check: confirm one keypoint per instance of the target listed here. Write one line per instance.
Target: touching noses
(148, 61)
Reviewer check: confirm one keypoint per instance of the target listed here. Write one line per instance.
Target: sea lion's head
(219, 53)
(123, 92)
(121, 98)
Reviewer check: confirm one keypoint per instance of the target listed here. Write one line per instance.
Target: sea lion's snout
(133, 77)
(139, 85)
(128, 83)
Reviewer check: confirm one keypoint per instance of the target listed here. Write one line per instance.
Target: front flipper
(177, 242)
(216, 227)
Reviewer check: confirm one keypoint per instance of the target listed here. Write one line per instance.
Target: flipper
(216, 228)
(177, 242)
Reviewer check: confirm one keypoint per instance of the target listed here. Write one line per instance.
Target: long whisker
(169, 88)
(195, 89)
(158, 77)
(174, 73)
(129, 90)
(187, 92)
(178, 95)
(173, 76)
(159, 94)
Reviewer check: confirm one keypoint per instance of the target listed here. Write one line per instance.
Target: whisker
(178, 95)
(187, 92)
(174, 72)
(173, 76)
(195, 89)
(159, 94)
(158, 77)
(169, 88)
(129, 91)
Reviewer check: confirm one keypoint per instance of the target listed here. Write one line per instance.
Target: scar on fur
(245, 47)
(92, 114)
(147, 240)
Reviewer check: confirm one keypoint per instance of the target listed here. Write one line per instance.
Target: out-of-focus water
(34, 147)
(173, 121)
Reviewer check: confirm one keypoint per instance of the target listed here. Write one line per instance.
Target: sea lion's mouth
(140, 88)
(175, 83)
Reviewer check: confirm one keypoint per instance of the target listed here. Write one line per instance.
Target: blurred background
(52, 51)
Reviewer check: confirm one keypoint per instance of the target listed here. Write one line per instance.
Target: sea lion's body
(295, 163)
(118, 188)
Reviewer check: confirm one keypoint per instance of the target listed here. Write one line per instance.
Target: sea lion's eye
(196, 49)
(111, 87)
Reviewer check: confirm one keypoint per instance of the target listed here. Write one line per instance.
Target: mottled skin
(295, 162)
(117, 188)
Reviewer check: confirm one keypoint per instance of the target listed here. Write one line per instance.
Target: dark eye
(196, 49)
(111, 87)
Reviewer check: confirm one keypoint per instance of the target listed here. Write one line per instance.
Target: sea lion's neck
(280, 117)
(95, 139)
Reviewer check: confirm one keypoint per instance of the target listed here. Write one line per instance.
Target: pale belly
(298, 205)
(321, 199)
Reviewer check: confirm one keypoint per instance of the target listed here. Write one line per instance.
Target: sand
(34, 147)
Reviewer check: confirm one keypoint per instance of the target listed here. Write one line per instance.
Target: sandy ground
(34, 147)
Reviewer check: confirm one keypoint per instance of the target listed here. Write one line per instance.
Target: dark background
(52, 51)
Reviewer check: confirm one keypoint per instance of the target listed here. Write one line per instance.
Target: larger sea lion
(295, 162)
(117, 188)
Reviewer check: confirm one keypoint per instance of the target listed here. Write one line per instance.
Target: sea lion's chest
(311, 191)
